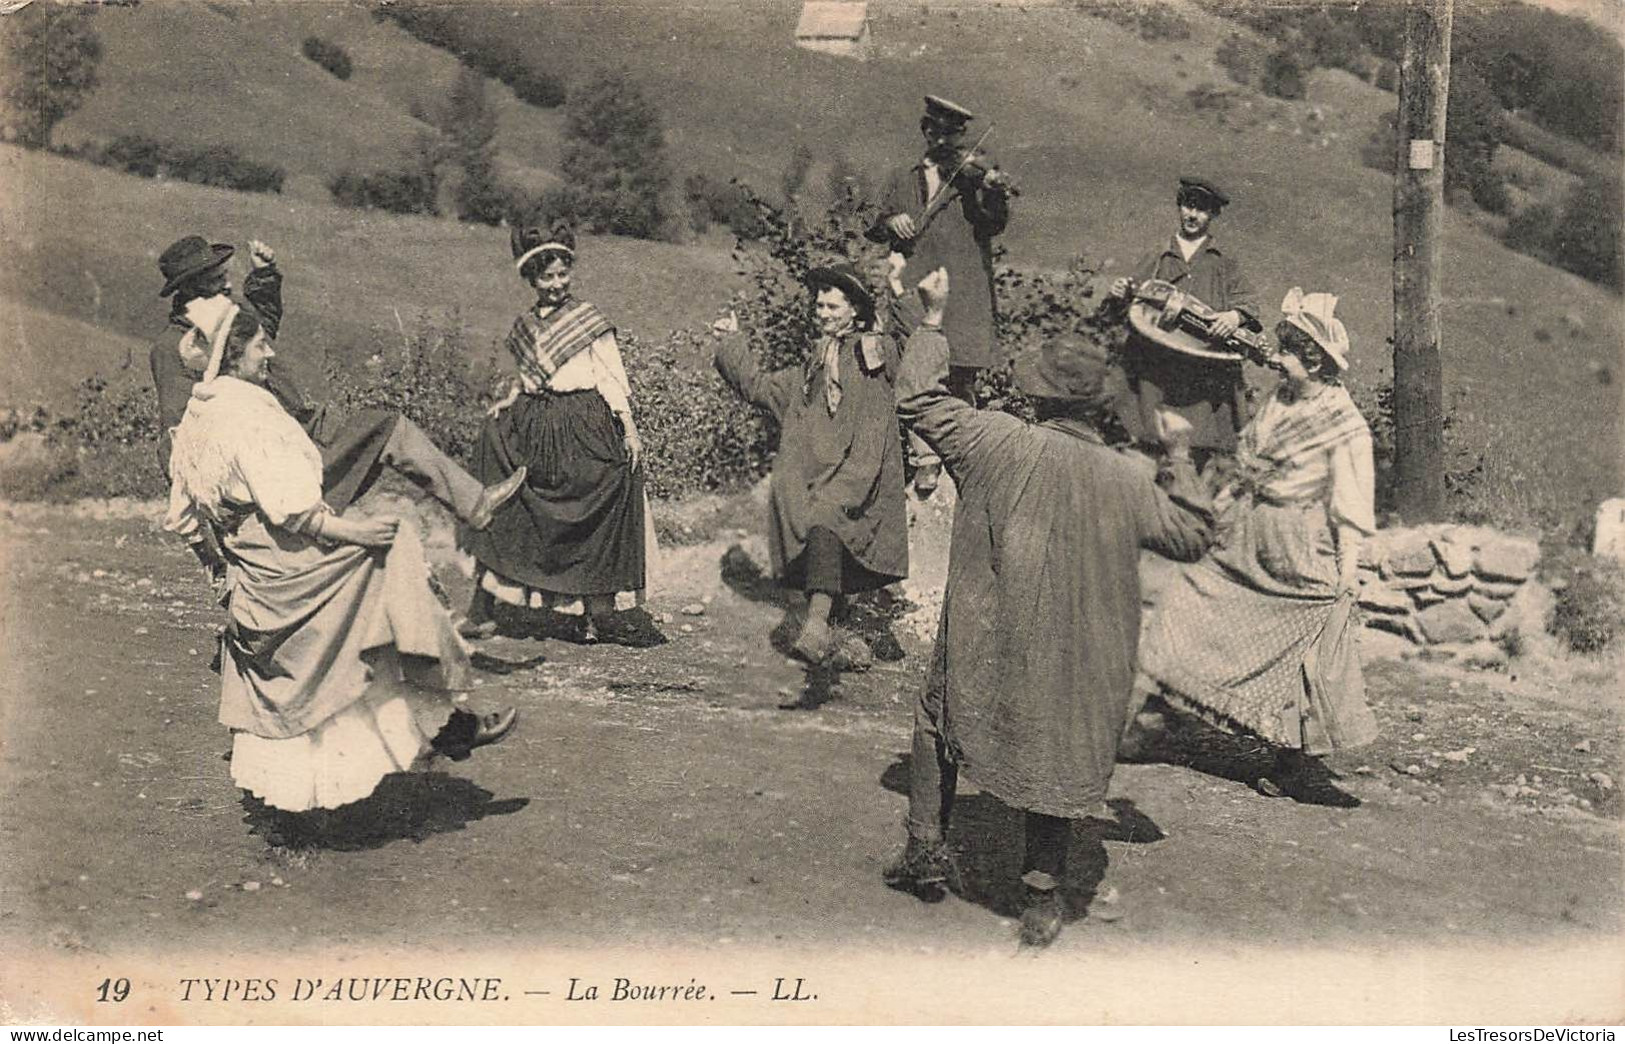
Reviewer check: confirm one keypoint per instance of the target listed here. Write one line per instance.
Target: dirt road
(663, 795)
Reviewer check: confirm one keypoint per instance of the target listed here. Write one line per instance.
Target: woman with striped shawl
(1258, 636)
(578, 537)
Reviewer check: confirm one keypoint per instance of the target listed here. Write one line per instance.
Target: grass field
(1095, 122)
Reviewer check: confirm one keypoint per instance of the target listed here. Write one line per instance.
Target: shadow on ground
(1190, 743)
(988, 839)
(405, 807)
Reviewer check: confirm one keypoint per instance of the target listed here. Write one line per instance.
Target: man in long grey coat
(1034, 659)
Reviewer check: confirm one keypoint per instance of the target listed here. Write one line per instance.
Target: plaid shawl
(1309, 426)
(542, 345)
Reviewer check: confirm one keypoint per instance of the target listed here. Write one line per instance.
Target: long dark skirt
(577, 525)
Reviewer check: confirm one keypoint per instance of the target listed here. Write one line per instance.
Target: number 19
(115, 990)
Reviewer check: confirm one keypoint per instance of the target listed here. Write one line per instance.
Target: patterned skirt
(579, 526)
(1254, 637)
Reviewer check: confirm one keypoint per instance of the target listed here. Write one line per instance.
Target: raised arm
(738, 366)
(263, 288)
(963, 436)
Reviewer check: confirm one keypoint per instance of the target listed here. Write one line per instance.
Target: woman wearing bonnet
(340, 661)
(579, 536)
(1259, 636)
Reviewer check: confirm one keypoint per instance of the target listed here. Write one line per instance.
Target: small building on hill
(835, 27)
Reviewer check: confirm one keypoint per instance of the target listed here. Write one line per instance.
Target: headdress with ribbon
(217, 343)
(1313, 314)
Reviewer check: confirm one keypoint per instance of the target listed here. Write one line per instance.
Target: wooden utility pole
(1424, 89)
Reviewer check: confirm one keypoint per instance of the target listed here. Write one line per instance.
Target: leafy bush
(217, 165)
(503, 60)
(104, 448)
(1589, 610)
(1283, 76)
(48, 59)
(428, 380)
(697, 435)
(725, 203)
(614, 164)
(1582, 237)
(329, 56)
(1241, 59)
(1586, 240)
(1150, 19)
(1565, 72)
(397, 191)
(1387, 78)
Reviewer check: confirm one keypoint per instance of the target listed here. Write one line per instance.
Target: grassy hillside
(82, 279)
(1095, 122)
(235, 74)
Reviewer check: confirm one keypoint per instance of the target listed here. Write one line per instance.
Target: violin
(976, 166)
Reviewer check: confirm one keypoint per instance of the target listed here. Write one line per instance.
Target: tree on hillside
(49, 67)
(472, 124)
(615, 165)
(1586, 240)
(1473, 133)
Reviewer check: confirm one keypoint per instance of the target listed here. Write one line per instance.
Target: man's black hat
(188, 257)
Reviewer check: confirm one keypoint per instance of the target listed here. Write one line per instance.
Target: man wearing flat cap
(1209, 393)
(1033, 665)
(355, 448)
(940, 212)
(838, 522)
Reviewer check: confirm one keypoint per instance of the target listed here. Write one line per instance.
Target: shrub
(697, 435)
(428, 380)
(471, 123)
(1387, 78)
(217, 165)
(329, 56)
(614, 162)
(1150, 19)
(104, 448)
(48, 59)
(1589, 611)
(502, 60)
(1582, 237)
(725, 203)
(1241, 59)
(1283, 76)
(1586, 239)
(397, 191)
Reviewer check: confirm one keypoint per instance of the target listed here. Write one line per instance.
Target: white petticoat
(345, 758)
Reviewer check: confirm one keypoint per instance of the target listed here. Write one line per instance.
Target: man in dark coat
(355, 448)
(1035, 655)
(839, 525)
(1209, 393)
(934, 222)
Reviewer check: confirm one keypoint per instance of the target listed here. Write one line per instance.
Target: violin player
(942, 211)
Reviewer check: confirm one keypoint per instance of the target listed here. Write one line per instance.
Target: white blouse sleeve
(1353, 485)
(612, 383)
(279, 469)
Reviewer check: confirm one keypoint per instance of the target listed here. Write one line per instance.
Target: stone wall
(1445, 585)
